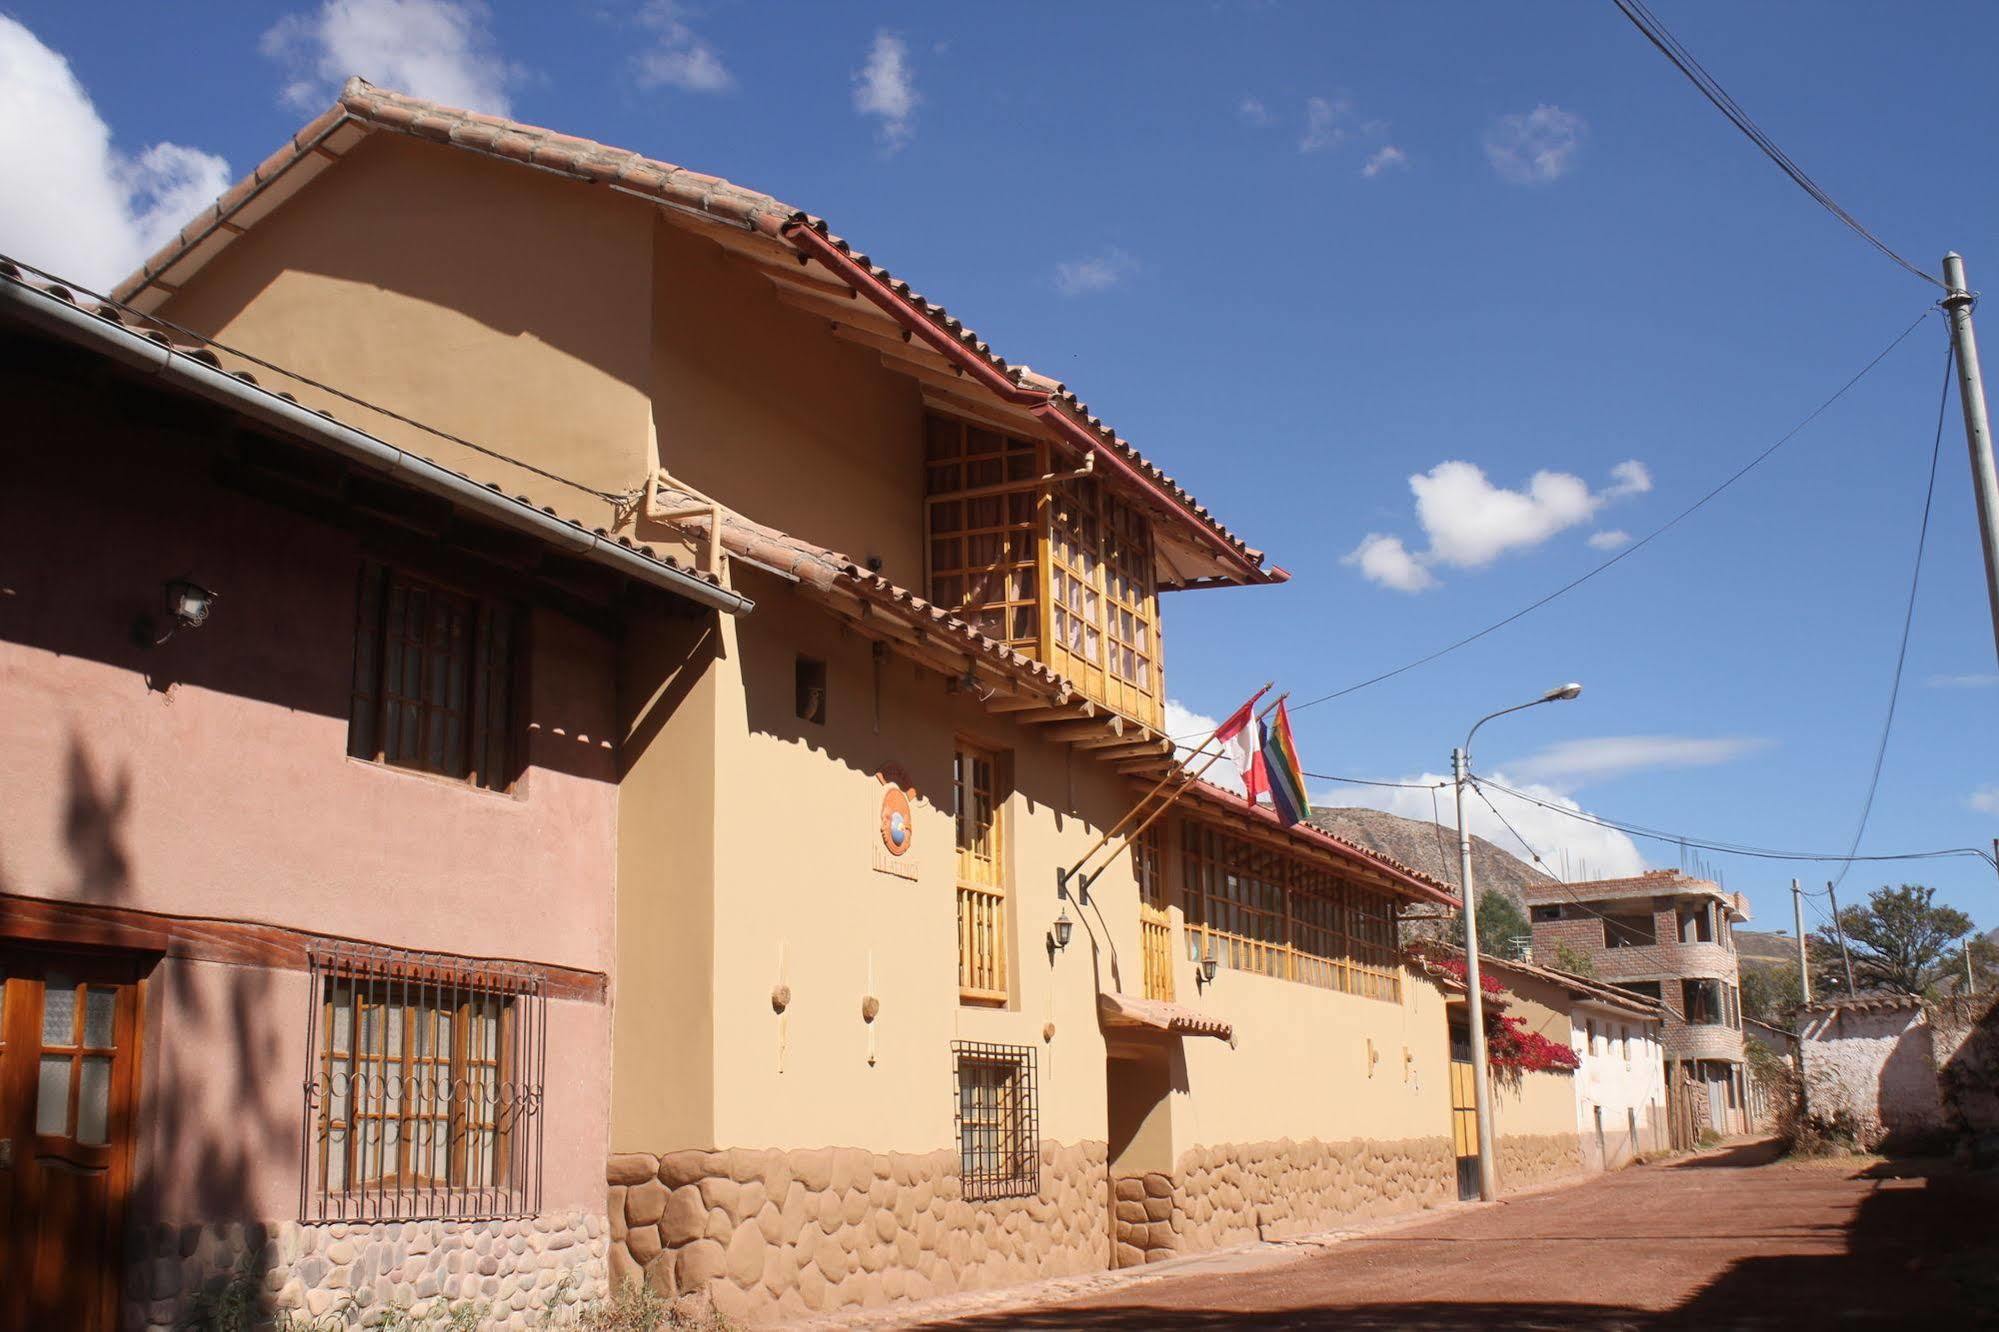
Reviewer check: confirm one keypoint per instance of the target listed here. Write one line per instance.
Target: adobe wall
(1879, 1067)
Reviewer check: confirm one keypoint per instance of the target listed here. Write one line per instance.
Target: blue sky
(1301, 254)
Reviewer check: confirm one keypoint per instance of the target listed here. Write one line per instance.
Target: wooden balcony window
(982, 926)
(1062, 572)
(1155, 922)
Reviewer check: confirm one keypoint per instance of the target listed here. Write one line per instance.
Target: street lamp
(1474, 997)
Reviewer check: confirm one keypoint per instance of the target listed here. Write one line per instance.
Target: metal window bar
(424, 1087)
(998, 1120)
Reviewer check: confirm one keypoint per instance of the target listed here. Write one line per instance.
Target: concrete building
(547, 786)
(1668, 937)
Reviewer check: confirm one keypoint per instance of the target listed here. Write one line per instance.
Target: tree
(1574, 961)
(1900, 939)
(1501, 923)
(1770, 993)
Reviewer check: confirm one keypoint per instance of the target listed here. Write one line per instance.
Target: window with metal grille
(999, 1126)
(424, 1091)
(433, 679)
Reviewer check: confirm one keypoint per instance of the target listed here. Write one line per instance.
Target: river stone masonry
(772, 1234)
(352, 1273)
(1529, 1159)
(1240, 1193)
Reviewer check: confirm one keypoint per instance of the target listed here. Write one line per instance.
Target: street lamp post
(1488, 1188)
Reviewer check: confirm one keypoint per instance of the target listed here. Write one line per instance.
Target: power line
(1635, 546)
(1908, 619)
(297, 378)
(1674, 50)
(1363, 781)
(1731, 848)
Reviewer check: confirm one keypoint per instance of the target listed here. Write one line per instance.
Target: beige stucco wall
(506, 306)
(1624, 1076)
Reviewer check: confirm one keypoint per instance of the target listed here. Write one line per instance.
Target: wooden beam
(1086, 730)
(1024, 704)
(1082, 710)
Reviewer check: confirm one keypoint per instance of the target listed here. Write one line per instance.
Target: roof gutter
(53, 314)
(808, 241)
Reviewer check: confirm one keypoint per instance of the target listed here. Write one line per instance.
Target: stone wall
(1873, 1064)
(1240, 1193)
(769, 1234)
(348, 1272)
(1526, 1159)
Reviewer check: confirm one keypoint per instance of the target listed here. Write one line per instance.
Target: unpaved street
(1731, 1240)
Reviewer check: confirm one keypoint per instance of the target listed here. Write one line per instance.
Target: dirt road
(1732, 1240)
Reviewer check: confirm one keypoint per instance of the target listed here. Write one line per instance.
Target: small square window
(810, 677)
(999, 1128)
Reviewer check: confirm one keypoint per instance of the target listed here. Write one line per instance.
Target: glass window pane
(93, 1101)
(52, 1097)
(58, 1010)
(100, 1007)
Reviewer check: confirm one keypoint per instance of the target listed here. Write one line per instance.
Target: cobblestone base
(767, 1235)
(352, 1274)
(1530, 1160)
(1240, 1193)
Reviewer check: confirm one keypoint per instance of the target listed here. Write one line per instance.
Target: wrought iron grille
(999, 1123)
(423, 1090)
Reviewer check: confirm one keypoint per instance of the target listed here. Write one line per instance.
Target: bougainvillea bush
(1510, 1045)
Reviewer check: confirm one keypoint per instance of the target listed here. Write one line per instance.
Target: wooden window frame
(1265, 911)
(486, 1101)
(489, 750)
(981, 876)
(999, 1142)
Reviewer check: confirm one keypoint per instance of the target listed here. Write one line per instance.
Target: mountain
(1766, 947)
(1430, 848)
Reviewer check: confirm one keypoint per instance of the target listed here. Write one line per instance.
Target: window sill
(515, 794)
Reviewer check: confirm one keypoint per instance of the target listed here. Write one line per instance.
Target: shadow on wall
(1966, 1032)
(236, 1021)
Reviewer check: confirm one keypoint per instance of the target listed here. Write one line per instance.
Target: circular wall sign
(898, 828)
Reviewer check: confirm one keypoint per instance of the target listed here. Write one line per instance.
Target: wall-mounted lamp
(1064, 927)
(1204, 971)
(187, 605)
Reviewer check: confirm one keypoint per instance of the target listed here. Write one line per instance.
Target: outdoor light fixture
(1064, 927)
(189, 603)
(1563, 694)
(1209, 964)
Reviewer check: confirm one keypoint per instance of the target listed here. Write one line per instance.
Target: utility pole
(1798, 915)
(1957, 304)
(1488, 1174)
(1970, 981)
(1839, 931)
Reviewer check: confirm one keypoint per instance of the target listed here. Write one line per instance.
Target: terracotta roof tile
(676, 186)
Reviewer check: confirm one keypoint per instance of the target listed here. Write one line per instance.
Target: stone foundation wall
(350, 1272)
(1526, 1159)
(1240, 1193)
(768, 1234)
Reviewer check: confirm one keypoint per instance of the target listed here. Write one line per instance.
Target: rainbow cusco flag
(1283, 771)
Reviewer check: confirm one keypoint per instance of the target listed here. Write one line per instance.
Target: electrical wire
(1635, 546)
(1363, 781)
(297, 378)
(1731, 848)
(1675, 51)
(1908, 619)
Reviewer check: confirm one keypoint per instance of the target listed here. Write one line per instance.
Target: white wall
(1878, 1066)
(1623, 1074)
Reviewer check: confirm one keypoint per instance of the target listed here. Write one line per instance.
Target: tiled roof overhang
(1380, 871)
(52, 310)
(1581, 988)
(758, 219)
(1124, 1012)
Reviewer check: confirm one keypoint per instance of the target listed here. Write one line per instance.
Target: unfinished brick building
(1669, 937)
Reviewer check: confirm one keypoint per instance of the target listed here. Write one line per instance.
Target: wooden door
(1464, 1113)
(69, 1036)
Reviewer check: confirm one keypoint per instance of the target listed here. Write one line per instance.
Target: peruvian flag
(1240, 742)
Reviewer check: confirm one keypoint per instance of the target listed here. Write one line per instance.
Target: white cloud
(1592, 852)
(1384, 559)
(1974, 681)
(1572, 763)
(1327, 123)
(1610, 540)
(886, 87)
(74, 204)
(1985, 800)
(1386, 158)
(437, 49)
(1098, 273)
(1189, 729)
(1252, 111)
(679, 58)
(1470, 522)
(1534, 148)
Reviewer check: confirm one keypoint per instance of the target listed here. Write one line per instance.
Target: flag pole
(1063, 877)
(1177, 772)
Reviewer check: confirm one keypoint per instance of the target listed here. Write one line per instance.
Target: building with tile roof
(871, 627)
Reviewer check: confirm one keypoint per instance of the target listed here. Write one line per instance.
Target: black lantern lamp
(1064, 927)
